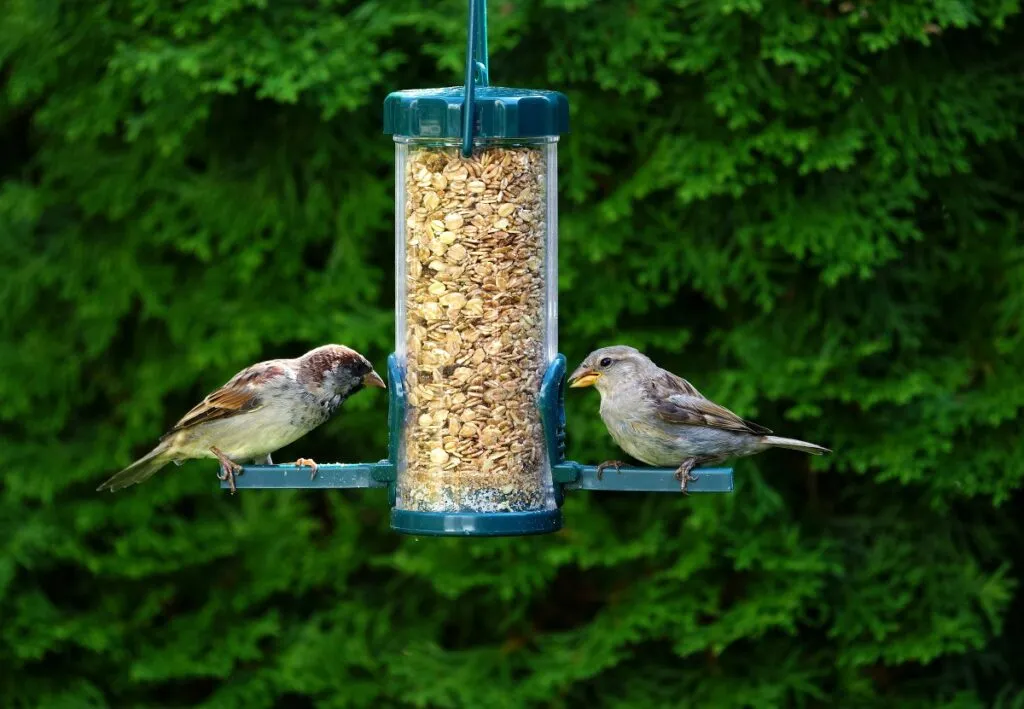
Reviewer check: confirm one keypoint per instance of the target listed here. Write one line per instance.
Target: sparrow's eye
(606, 362)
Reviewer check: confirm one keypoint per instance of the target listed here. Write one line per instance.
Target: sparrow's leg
(617, 464)
(683, 474)
(229, 469)
(308, 462)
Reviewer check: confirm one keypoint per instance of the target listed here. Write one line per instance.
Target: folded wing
(678, 402)
(239, 395)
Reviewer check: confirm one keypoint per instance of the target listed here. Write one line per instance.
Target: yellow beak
(583, 377)
(373, 380)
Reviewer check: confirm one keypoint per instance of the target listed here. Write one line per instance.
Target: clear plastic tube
(476, 326)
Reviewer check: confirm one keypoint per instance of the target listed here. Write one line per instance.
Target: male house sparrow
(662, 420)
(259, 410)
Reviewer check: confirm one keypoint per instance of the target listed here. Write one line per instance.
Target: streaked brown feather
(678, 401)
(238, 395)
(666, 384)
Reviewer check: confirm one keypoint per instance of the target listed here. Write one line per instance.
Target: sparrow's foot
(229, 469)
(683, 474)
(310, 463)
(690, 477)
(617, 464)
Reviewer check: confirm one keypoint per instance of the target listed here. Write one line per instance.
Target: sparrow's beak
(583, 377)
(373, 380)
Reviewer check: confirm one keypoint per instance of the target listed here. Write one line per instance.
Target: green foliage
(810, 209)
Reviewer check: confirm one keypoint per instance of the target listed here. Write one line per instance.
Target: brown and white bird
(258, 411)
(662, 419)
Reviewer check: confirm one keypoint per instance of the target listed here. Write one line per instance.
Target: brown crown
(316, 363)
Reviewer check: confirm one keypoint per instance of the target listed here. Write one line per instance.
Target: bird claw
(308, 462)
(690, 477)
(617, 464)
(229, 469)
(684, 476)
(229, 475)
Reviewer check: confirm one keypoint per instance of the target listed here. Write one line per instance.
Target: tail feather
(142, 469)
(794, 444)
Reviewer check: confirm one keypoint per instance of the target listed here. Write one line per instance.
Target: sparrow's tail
(140, 470)
(794, 444)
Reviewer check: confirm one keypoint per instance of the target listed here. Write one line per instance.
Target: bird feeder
(476, 415)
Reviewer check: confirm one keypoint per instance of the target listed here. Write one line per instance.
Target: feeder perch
(476, 414)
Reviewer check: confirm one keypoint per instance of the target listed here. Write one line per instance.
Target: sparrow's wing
(240, 395)
(678, 401)
(666, 384)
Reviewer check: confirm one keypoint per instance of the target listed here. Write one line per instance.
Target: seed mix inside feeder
(472, 328)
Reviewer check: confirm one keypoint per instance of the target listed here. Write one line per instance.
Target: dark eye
(606, 362)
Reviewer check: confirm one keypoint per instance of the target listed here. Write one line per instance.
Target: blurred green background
(812, 210)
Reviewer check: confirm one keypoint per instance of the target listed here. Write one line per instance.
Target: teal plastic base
(470, 524)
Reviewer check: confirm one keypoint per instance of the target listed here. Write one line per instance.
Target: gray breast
(314, 411)
(631, 427)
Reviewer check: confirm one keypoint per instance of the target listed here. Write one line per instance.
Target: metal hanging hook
(477, 68)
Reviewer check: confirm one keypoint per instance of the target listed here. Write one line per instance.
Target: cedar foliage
(811, 209)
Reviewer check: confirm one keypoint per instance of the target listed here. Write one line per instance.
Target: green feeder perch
(476, 384)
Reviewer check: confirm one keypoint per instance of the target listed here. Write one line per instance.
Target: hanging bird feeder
(476, 416)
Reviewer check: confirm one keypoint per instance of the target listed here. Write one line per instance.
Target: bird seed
(475, 338)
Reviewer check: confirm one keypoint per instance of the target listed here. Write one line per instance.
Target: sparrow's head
(611, 367)
(337, 370)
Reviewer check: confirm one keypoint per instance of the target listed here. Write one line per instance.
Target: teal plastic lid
(499, 113)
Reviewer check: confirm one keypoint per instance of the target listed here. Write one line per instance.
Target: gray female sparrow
(662, 420)
(259, 410)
